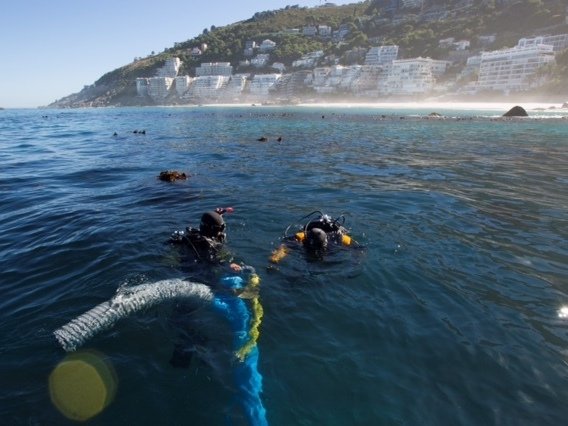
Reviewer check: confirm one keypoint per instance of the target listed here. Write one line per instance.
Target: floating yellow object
(82, 385)
(279, 254)
(346, 240)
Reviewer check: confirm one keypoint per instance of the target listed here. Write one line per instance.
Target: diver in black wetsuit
(203, 245)
(317, 236)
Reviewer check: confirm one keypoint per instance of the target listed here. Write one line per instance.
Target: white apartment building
(159, 87)
(142, 86)
(511, 69)
(439, 67)
(320, 76)
(214, 68)
(183, 82)
(235, 86)
(462, 45)
(558, 42)
(381, 55)
(310, 31)
(486, 40)
(308, 60)
(207, 86)
(367, 83)
(408, 77)
(260, 60)
(262, 83)
(170, 68)
(279, 66)
(324, 31)
(472, 66)
(349, 76)
(267, 46)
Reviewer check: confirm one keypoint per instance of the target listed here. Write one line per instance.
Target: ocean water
(455, 312)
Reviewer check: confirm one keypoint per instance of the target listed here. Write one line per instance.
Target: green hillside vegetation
(367, 21)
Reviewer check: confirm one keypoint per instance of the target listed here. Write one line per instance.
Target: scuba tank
(333, 228)
(315, 234)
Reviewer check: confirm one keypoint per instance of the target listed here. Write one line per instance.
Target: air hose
(243, 323)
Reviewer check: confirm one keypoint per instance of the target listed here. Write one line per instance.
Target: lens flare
(82, 385)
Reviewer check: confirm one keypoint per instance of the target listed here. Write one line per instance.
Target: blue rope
(248, 380)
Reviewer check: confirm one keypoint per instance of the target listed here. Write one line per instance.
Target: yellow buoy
(82, 385)
(346, 240)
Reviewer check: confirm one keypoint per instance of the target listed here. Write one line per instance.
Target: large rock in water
(516, 111)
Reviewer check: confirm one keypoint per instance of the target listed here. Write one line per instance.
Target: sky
(52, 48)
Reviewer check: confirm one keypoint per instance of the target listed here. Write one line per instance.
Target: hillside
(417, 32)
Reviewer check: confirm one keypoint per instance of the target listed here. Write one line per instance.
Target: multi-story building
(381, 55)
(142, 86)
(558, 42)
(207, 87)
(511, 69)
(408, 77)
(279, 66)
(471, 66)
(320, 76)
(170, 68)
(214, 68)
(310, 31)
(260, 60)
(159, 87)
(308, 60)
(183, 83)
(262, 83)
(267, 46)
(367, 83)
(235, 86)
(486, 40)
(439, 67)
(341, 33)
(324, 31)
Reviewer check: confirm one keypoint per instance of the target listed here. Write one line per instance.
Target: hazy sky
(52, 48)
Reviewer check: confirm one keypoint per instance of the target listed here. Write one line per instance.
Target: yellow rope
(257, 313)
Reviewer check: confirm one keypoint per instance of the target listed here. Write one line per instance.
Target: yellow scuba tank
(346, 240)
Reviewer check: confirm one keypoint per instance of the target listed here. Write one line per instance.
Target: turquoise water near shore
(451, 315)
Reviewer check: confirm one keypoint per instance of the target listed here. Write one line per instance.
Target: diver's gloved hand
(242, 269)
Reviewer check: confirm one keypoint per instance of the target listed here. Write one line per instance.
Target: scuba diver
(235, 288)
(205, 242)
(317, 236)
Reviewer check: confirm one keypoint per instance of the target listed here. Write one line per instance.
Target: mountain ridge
(368, 23)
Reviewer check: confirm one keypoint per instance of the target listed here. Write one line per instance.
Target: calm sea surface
(451, 315)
